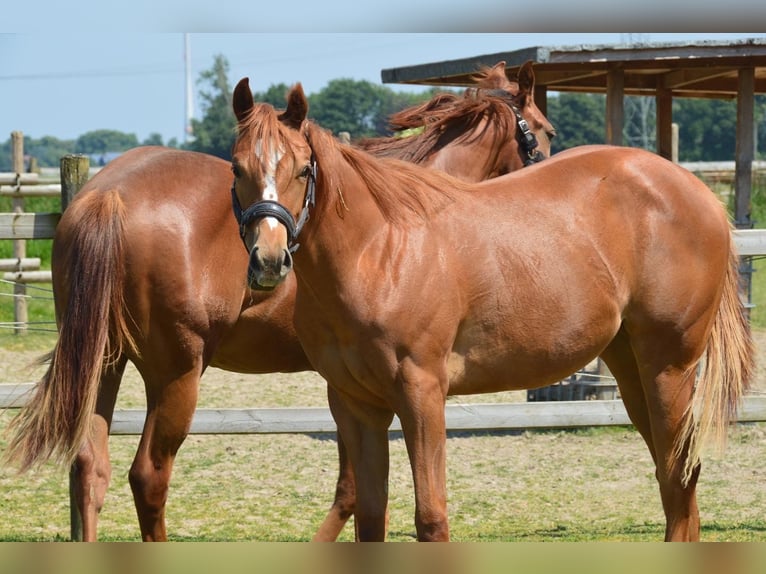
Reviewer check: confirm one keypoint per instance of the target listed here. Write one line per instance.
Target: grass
(570, 486)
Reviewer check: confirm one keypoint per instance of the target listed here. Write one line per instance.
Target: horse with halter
(156, 214)
(413, 285)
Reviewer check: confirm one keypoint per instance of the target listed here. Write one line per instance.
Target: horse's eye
(235, 170)
(305, 172)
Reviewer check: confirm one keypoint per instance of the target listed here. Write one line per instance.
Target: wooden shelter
(731, 70)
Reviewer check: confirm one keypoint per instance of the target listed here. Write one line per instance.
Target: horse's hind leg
(345, 499)
(666, 360)
(655, 411)
(92, 469)
(619, 357)
(668, 393)
(170, 408)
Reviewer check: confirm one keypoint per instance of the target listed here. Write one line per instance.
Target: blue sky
(135, 82)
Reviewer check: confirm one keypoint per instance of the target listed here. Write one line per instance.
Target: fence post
(74, 174)
(20, 311)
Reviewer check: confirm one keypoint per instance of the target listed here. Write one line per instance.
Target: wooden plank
(11, 178)
(43, 276)
(750, 241)
(28, 225)
(495, 416)
(43, 190)
(15, 263)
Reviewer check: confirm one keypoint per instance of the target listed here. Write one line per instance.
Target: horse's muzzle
(266, 272)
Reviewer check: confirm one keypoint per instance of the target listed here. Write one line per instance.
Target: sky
(136, 82)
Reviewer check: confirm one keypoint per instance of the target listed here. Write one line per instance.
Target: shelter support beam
(615, 106)
(664, 100)
(745, 148)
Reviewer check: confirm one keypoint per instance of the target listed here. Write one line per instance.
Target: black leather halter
(527, 139)
(269, 208)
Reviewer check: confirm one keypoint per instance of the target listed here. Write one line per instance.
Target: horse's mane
(462, 117)
(444, 119)
(405, 193)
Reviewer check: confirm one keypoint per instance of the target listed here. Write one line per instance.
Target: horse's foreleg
(168, 418)
(425, 434)
(366, 443)
(345, 499)
(91, 471)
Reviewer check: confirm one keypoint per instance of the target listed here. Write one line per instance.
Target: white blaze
(270, 176)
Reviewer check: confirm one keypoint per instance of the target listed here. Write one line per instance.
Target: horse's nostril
(287, 262)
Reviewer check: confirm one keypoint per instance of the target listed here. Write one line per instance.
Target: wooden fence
(460, 417)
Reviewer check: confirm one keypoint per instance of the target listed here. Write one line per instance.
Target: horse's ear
(498, 68)
(242, 100)
(297, 108)
(526, 80)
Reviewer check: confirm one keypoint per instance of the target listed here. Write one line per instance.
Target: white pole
(188, 135)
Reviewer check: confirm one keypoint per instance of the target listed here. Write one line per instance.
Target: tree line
(707, 127)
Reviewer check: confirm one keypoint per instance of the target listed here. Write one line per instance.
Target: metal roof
(698, 69)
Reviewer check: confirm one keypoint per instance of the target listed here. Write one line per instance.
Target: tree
(103, 141)
(153, 139)
(346, 105)
(707, 129)
(214, 133)
(578, 119)
(276, 95)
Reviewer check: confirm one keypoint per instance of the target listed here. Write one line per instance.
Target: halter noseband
(269, 208)
(527, 138)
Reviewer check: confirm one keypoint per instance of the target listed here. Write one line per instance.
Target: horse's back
(178, 234)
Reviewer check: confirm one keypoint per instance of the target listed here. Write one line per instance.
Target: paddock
(230, 435)
(263, 496)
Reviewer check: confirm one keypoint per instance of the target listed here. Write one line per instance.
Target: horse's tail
(93, 332)
(725, 375)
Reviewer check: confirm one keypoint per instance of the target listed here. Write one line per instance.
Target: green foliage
(103, 141)
(214, 133)
(707, 129)
(153, 139)
(347, 105)
(578, 119)
(276, 95)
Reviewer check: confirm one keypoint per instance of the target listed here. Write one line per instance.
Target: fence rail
(460, 417)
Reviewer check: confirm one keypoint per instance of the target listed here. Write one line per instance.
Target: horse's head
(274, 176)
(534, 131)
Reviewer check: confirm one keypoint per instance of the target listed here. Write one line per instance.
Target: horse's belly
(539, 355)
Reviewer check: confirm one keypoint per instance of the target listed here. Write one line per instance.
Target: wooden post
(20, 310)
(664, 101)
(743, 172)
(615, 106)
(74, 174)
(745, 148)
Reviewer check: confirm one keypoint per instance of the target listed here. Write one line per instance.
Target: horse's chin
(263, 283)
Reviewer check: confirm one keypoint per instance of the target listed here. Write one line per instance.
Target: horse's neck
(344, 217)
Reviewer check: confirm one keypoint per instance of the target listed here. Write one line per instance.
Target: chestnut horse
(118, 298)
(413, 285)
